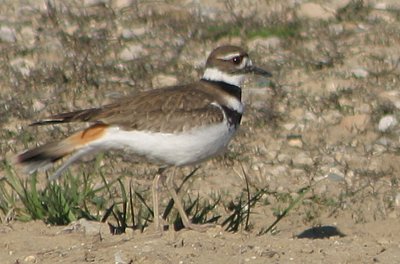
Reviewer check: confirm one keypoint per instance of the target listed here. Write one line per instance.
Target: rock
(392, 215)
(397, 200)
(37, 105)
(383, 141)
(264, 252)
(332, 117)
(72, 29)
(302, 159)
(120, 4)
(284, 158)
(379, 16)
(386, 123)
(315, 11)
(379, 149)
(289, 126)
(90, 3)
(129, 33)
(119, 258)
(363, 108)
(210, 11)
(162, 80)
(296, 173)
(90, 228)
(336, 28)
(257, 166)
(278, 171)
(267, 43)
(359, 73)
(132, 52)
(337, 4)
(310, 116)
(295, 142)
(297, 114)
(7, 34)
(392, 96)
(355, 123)
(28, 36)
(147, 249)
(31, 259)
(22, 65)
(387, 5)
(335, 175)
(345, 102)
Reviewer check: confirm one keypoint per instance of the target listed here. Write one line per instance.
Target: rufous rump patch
(88, 135)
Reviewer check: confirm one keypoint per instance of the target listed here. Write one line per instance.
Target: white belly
(170, 149)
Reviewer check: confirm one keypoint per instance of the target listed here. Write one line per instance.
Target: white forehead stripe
(213, 74)
(249, 62)
(245, 63)
(229, 56)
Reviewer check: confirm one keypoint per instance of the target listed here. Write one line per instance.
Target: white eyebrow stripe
(213, 74)
(229, 56)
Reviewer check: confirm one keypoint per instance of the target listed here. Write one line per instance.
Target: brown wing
(169, 110)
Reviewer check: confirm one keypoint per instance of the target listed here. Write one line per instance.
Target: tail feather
(46, 155)
(76, 156)
(76, 116)
(43, 156)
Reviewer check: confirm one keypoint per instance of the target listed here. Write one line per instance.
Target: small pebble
(360, 73)
(387, 123)
(397, 200)
(132, 52)
(295, 142)
(31, 259)
(7, 34)
(89, 3)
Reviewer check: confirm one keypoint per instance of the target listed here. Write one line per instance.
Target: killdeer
(172, 126)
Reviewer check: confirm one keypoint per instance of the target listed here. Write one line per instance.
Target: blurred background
(318, 145)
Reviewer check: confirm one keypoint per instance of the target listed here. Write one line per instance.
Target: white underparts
(170, 149)
(214, 74)
(166, 149)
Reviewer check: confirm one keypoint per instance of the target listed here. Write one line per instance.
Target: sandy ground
(327, 119)
(34, 242)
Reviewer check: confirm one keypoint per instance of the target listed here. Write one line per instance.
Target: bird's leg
(155, 190)
(177, 200)
(178, 204)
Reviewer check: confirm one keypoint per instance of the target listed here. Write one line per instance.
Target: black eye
(237, 60)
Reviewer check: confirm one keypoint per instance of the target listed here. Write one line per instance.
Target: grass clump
(118, 204)
(57, 203)
(218, 31)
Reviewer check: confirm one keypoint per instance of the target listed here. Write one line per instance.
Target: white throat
(213, 74)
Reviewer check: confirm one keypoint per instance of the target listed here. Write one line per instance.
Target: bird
(172, 126)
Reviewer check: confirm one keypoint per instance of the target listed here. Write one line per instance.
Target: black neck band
(228, 88)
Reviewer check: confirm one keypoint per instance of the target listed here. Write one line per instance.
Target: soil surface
(328, 120)
(34, 242)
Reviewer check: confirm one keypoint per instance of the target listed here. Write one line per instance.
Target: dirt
(318, 123)
(34, 242)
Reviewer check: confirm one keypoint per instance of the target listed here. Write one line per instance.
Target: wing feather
(170, 109)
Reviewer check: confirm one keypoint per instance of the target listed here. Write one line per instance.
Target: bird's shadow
(321, 232)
